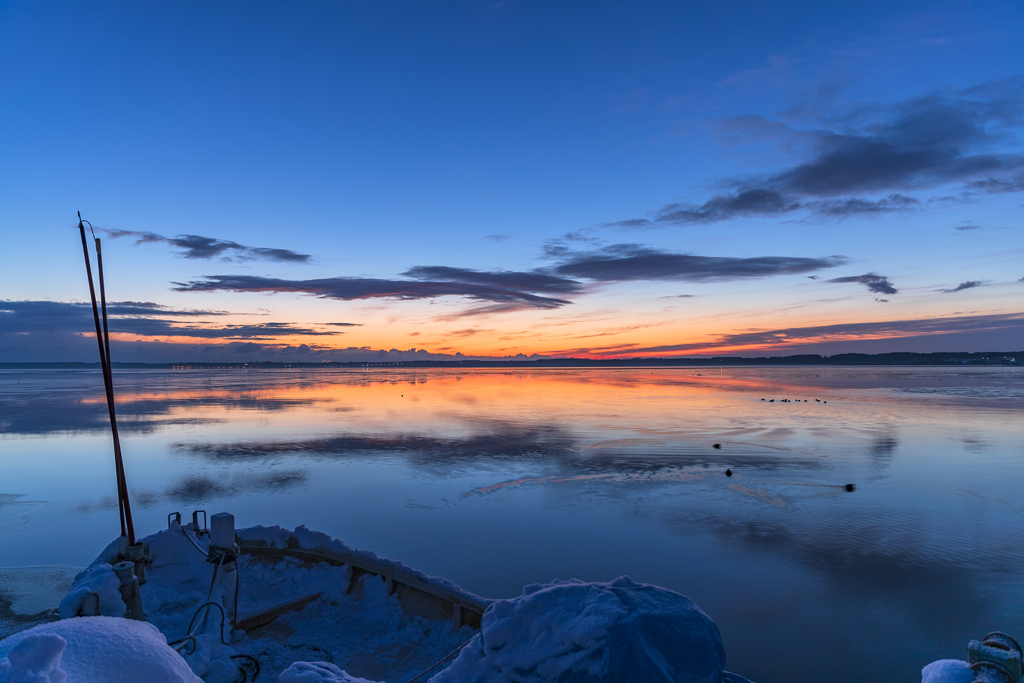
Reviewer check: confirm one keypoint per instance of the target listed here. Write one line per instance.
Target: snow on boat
(298, 606)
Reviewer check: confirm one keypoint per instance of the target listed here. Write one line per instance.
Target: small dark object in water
(824, 401)
(772, 401)
(851, 487)
(717, 445)
(818, 400)
(728, 473)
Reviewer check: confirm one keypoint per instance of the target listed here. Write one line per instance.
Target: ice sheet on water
(32, 590)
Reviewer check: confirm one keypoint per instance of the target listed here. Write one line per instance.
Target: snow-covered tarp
(576, 632)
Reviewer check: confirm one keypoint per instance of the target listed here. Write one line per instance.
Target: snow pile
(947, 671)
(576, 632)
(317, 672)
(111, 650)
(99, 579)
(36, 659)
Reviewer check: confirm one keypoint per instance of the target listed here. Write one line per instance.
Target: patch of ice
(36, 589)
(107, 649)
(947, 671)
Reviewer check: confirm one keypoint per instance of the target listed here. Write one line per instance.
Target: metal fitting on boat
(138, 554)
(195, 523)
(130, 593)
(90, 605)
(995, 659)
(222, 530)
(222, 549)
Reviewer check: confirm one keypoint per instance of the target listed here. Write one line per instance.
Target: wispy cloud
(133, 317)
(879, 284)
(845, 208)
(961, 137)
(630, 262)
(970, 284)
(506, 289)
(795, 336)
(199, 247)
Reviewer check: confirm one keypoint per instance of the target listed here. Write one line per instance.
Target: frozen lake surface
(500, 478)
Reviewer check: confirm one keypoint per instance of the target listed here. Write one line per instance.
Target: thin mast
(102, 339)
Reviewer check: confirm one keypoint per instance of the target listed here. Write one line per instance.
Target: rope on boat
(440, 661)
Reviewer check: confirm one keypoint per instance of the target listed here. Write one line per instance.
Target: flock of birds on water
(718, 446)
(787, 400)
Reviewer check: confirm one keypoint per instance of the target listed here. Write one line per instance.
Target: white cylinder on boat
(222, 530)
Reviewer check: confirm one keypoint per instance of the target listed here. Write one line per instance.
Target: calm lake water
(500, 478)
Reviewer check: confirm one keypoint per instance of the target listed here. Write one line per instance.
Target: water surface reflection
(498, 478)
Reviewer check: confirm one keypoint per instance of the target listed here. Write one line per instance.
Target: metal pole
(126, 509)
(127, 528)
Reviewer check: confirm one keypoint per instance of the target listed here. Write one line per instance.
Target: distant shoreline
(993, 358)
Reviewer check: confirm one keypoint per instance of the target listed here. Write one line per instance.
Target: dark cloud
(625, 262)
(148, 308)
(529, 282)
(199, 247)
(754, 201)
(923, 142)
(632, 224)
(970, 284)
(969, 226)
(879, 284)
(498, 238)
(132, 317)
(842, 208)
(996, 185)
(957, 137)
(508, 289)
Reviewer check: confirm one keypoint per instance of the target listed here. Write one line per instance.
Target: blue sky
(645, 157)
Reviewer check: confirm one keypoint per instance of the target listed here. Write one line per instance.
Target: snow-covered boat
(298, 606)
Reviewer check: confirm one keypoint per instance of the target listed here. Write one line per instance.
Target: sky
(376, 181)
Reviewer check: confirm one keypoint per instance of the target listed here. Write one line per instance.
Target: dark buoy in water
(717, 445)
(728, 473)
(851, 487)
